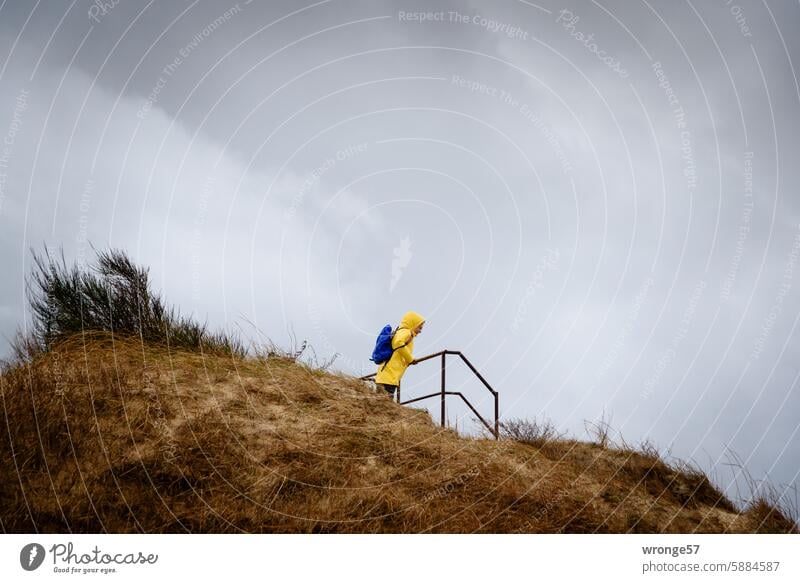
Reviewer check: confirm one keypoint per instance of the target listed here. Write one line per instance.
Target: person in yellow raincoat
(389, 373)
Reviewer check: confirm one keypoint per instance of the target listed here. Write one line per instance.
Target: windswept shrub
(771, 515)
(771, 509)
(534, 432)
(302, 353)
(600, 430)
(115, 296)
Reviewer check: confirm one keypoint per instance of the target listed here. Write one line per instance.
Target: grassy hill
(151, 423)
(102, 434)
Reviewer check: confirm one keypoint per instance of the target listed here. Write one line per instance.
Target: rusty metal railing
(443, 392)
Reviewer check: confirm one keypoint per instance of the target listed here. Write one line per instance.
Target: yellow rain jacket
(403, 341)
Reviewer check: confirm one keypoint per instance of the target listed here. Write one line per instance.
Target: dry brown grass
(105, 435)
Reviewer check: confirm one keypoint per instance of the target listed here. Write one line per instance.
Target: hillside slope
(107, 435)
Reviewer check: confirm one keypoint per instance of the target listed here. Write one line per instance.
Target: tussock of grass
(114, 295)
(532, 432)
(103, 434)
(768, 515)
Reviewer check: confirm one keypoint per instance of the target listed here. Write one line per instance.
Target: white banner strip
(380, 558)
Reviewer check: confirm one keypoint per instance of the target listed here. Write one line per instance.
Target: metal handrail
(442, 393)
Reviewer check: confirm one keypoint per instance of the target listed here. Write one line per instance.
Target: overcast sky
(597, 202)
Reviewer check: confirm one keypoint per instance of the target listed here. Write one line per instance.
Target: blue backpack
(383, 346)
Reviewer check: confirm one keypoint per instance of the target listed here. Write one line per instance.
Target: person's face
(418, 329)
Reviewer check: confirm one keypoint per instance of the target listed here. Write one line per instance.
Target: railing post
(496, 415)
(443, 381)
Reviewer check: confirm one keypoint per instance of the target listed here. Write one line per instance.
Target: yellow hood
(411, 320)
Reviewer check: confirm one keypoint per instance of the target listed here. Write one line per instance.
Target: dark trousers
(388, 388)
